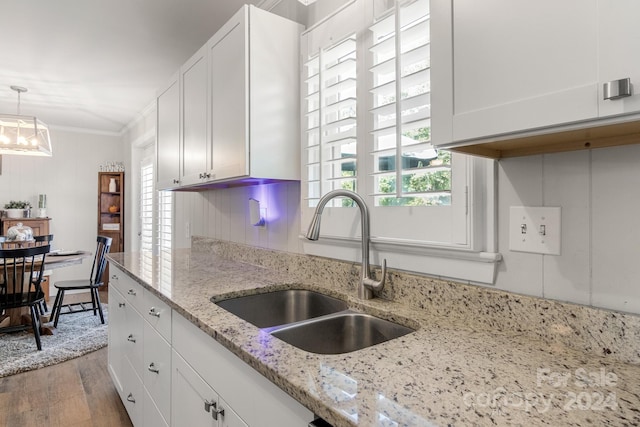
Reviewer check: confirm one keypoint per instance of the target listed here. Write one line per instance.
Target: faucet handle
(373, 284)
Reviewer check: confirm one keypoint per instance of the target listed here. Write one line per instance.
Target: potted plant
(15, 209)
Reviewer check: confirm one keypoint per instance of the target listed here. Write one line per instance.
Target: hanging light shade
(23, 135)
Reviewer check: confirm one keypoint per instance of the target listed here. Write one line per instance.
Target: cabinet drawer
(157, 369)
(129, 288)
(133, 339)
(132, 394)
(158, 314)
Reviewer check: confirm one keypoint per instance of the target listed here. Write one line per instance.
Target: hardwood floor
(78, 392)
(75, 393)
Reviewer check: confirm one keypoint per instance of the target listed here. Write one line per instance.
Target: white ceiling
(95, 64)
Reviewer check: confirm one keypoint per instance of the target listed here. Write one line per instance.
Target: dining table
(52, 261)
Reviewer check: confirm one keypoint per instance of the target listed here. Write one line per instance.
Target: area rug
(77, 334)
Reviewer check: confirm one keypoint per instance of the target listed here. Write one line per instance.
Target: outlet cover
(535, 229)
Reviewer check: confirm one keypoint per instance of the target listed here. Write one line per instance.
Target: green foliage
(421, 182)
(17, 204)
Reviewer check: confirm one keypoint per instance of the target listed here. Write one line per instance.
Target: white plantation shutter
(146, 207)
(331, 120)
(406, 169)
(165, 217)
(146, 218)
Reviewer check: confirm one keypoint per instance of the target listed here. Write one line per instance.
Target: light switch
(535, 229)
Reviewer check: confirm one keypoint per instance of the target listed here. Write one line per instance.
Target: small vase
(112, 185)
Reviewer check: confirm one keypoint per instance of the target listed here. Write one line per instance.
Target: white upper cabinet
(193, 80)
(618, 47)
(168, 135)
(516, 69)
(522, 65)
(238, 109)
(228, 52)
(254, 77)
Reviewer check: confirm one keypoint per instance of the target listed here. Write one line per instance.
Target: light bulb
(34, 142)
(4, 139)
(22, 140)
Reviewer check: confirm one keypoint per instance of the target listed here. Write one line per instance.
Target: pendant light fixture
(23, 135)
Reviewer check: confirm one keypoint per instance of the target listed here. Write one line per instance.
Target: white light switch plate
(535, 229)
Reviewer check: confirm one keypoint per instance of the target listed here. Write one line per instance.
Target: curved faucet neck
(366, 283)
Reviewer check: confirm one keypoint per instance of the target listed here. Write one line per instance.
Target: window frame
(470, 252)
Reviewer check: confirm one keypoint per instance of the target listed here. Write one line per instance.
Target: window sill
(444, 262)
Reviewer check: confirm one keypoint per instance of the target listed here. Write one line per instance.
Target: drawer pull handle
(130, 338)
(132, 292)
(617, 89)
(154, 312)
(212, 404)
(215, 413)
(130, 398)
(114, 277)
(152, 368)
(121, 304)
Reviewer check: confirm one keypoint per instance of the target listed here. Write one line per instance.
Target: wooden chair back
(22, 272)
(100, 260)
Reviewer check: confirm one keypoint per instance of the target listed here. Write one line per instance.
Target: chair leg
(99, 305)
(93, 301)
(57, 306)
(35, 322)
(43, 307)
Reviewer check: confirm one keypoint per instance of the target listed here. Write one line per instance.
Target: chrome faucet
(367, 284)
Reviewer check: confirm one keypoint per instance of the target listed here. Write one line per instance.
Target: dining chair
(43, 240)
(22, 270)
(94, 281)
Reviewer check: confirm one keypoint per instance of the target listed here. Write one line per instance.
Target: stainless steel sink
(282, 307)
(340, 333)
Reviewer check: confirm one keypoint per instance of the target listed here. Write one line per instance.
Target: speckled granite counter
(472, 361)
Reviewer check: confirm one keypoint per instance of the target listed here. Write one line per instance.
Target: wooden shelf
(106, 199)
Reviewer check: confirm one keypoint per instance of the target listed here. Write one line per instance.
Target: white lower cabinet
(170, 373)
(132, 393)
(157, 370)
(140, 351)
(238, 388)
(195, 403)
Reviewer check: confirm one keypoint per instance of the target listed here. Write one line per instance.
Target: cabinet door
(618, 44)
(194, 119)
(520, 65)
(168, 136)
(229, 96)
(190, 396)
(117, 337)
(157, 369)
(133, 393)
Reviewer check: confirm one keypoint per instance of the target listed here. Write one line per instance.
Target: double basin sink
(312, 321)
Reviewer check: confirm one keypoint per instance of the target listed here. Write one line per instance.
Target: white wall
(597, 190)
(70, 181)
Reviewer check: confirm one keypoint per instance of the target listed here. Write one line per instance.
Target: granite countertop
(448, 372)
